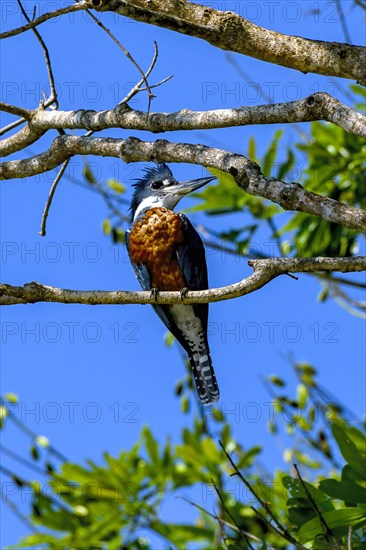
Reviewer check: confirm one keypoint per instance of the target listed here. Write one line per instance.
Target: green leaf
(355, 457)
(285, 167)
(277, 381)
(88, 174)
(117, 186)
(11, 397)
(151, 445)
(348, 491)
(340, 519)
(107, 226)
(42, 441)
(296, 490)
(184, 404)
(211, 451)
(34, 452)
(169, 339)
(302, 395)
(270, 154)
(36, 539)
(252, 149)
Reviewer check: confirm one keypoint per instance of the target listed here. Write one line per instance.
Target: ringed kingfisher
(167, 253)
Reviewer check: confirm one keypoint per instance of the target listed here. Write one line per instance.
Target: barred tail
(204, 377)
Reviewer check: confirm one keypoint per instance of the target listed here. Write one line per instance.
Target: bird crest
(142, 185)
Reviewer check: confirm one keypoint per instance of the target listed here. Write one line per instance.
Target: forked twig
(136, 89)
(279, 527)
(241, 532)
(127, 54)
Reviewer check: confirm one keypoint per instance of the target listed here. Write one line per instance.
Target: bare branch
(137, 88)
(242, 533)
(22, 139)
(319, 106)
(128, 55)
(264, 271)
(342, 17)
(50, 198)
(229, 31)
(278, 527)
(82, 5)
(11, 126)
(247, 174)
(327, 532)
(217, 518)
(53, 94)
(13, 110)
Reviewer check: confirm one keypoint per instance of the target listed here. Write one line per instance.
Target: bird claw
(183, 292)
(154, 294)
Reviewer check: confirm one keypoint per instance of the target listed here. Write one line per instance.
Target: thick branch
(229, 31)
(264, 271)
(319, 106)
(247, 174)
(22, 139)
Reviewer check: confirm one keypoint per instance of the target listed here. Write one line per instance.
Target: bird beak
(185, 187)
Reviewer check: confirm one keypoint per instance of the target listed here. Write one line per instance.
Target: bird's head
(159, 187)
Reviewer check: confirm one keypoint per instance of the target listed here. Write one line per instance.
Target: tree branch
(82, 5)
(319, 106)
(264, 271)
(13, 110)
(247, 174)
(229, 31)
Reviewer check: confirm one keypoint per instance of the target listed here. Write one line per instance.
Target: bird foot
(154, 292)
(183, 292)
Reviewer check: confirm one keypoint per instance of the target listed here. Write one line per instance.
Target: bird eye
(156, 184)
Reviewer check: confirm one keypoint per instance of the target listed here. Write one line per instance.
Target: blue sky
(93, 376)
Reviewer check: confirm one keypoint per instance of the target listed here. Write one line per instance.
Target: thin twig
(340, 280)
(215, 517)
(50, 197)
(11, 126)
(244, 537)
(232, 60)
(45, 17)
(11, 416)
(22, 460)
(127, 54)
(157, 84)
(349, 538)
(136, 88)
(346, 33)
(284, 532)
(327, 531)
(361, 4)
(13, 507)
(53, 93)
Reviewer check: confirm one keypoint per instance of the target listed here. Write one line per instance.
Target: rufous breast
(154, 240)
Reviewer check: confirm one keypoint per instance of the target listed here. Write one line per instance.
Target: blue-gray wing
(192, 262)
